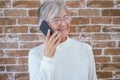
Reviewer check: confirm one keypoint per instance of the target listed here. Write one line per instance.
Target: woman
(60, 57)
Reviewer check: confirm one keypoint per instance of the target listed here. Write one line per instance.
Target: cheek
(68, 27)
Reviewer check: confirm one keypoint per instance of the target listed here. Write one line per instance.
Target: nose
(63, 23)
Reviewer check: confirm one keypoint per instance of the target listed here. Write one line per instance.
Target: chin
(64, 37)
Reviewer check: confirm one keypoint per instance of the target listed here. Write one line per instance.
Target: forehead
(62, 13)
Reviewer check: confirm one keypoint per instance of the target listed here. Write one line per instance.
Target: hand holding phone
(44, 27)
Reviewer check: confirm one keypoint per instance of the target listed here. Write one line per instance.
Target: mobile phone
(44, 27)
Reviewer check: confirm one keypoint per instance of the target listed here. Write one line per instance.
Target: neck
(63, 39)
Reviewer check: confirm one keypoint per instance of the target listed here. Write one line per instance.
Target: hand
(51, 43)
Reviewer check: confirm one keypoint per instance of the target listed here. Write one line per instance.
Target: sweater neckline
(64, 44)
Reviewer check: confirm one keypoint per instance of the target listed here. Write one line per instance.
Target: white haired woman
(60, 57)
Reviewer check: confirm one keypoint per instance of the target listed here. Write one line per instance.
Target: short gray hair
(51, 8)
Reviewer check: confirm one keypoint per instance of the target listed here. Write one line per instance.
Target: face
(61, 24)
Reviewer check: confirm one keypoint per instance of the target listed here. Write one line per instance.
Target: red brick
(21, 76)
(101, 36)
(104, 74)
(75, 36)
(119, 44)
(27, 21)
(42, 37)
(29, 45)
(2, 38)
(2, 68)
(97, 66)
(7, 21)
(110, 29)
(16, 29)
(8, 45)
(18, 68)
(1, 53)
(85, 36)
(23, 61)
(79, 20)
(7, 61)
(97, 51)
(73, 4)
(73, 29)
(1, 13)
(100, 4)
(1, 30)
(5, 4)
(6, 76)
(89, 12)
(26, 4)
(102, 44)
(33, 12)
(102, 59)
(72, 12)
(112, 51)
(89, 29)
(114, 66)
(101, 20)
(111, 12)
(116, 20)
(17, 53)
(116, 59)
(29, 37)
(34, 30)
(115, 36)
(15, 12)
(12, 38)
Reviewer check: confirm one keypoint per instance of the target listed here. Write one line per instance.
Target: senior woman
(60, 57)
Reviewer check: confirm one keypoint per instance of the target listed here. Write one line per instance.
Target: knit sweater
(73, 60)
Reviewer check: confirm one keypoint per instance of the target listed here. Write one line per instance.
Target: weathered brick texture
(96, 22)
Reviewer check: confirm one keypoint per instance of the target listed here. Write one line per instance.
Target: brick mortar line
(12, 17)
(113, 25)
(71, 25)
(92, 33)
(30, 48)
(43, 41)
(76, 8)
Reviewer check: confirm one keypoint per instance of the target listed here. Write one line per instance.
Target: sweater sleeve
(92, 68)
(40, 69)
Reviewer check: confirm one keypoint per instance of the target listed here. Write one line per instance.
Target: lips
(62, 29)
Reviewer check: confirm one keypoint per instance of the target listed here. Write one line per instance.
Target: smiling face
(61, 24)
(55, 13)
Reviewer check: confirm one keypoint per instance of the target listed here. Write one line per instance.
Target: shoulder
(80, 44)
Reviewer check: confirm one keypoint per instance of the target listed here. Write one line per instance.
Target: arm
(40, 69)
(92, 68)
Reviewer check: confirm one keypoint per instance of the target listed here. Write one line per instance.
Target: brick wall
(96, 22)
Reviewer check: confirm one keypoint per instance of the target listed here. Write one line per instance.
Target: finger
(48, 35)
(53, 37)
(55, 40)
(58, 42)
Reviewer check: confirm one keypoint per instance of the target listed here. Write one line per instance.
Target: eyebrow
(60, 17)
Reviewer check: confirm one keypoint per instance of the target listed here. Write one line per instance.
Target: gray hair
(51, 8)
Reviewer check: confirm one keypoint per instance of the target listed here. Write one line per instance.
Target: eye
(57, 20)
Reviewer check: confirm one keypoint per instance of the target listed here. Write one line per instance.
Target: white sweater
(73, 60)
